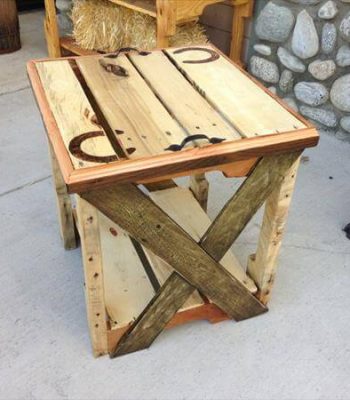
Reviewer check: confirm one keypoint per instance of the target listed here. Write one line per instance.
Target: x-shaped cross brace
(196, 265)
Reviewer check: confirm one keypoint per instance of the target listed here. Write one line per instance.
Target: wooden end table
(120, 128)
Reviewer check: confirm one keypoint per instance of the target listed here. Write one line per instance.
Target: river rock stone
(329, 38)
(340, 93)
(325, 117)
(322, 70)
(264, 69)
(64, 5)
(345, 123)
(292, 103)
(262, 49)
(343, 56)
(290, 61)
(328, 11)
(344, 27)
(273, 89)
(311, 93)
(305, 42)
(274, 23)
(286, 80)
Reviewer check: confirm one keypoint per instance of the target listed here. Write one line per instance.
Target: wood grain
(238, 211)
(93, 274)
(72, 111)
(180, 205)
(136, 213)
(250, 110)
(262, 266)
(185, 161)
(156, 316)
(189, 108)
(64, 205)
(133, 112)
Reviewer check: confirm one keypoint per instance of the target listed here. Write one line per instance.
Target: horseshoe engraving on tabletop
(76, 150)
(213, 55)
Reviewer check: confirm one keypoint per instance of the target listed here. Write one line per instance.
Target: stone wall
(300, 49)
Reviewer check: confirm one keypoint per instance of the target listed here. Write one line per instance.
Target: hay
(104, 26)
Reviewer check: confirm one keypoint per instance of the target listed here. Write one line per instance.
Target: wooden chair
(169, 14)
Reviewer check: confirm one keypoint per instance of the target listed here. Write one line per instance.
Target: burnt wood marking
(213, 55)
(76, 150)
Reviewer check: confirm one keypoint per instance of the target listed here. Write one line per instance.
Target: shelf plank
(69, 44)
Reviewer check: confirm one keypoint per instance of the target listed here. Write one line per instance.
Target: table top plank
(131, 108)
(246, 105)
(184, 102)
(72, 111)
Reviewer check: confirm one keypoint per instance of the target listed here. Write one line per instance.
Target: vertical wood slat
(262, 265)
(51, 30)
(64, 205)
(93, 273)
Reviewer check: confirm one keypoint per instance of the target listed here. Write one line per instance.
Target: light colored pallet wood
(130, 106)
(69, 44)
(191, 161)
(51, 30)
(127, 287)
(147, 7)
(93, 274)
(71, 109)
(181, 99)
(262, 266)
(251, 110)
(64, 205)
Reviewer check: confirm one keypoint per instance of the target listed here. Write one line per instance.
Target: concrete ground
(299, 350)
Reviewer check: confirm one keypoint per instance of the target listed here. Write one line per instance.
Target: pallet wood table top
(120, 127)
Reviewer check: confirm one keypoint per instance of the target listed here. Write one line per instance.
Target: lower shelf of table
(132, 274)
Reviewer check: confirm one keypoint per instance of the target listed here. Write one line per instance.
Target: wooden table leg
(93, 273)
(241, 14)
(262, 265)
(64, 206)
(166, 22)
(51, 30)
(200, 188)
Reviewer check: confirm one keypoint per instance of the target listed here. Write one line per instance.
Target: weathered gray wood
(251, 195)
(141, 218)
(156, 315)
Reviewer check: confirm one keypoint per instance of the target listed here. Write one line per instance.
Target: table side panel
(247, 106)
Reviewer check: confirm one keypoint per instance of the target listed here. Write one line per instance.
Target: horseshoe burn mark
(213, 55)
(76, 150)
